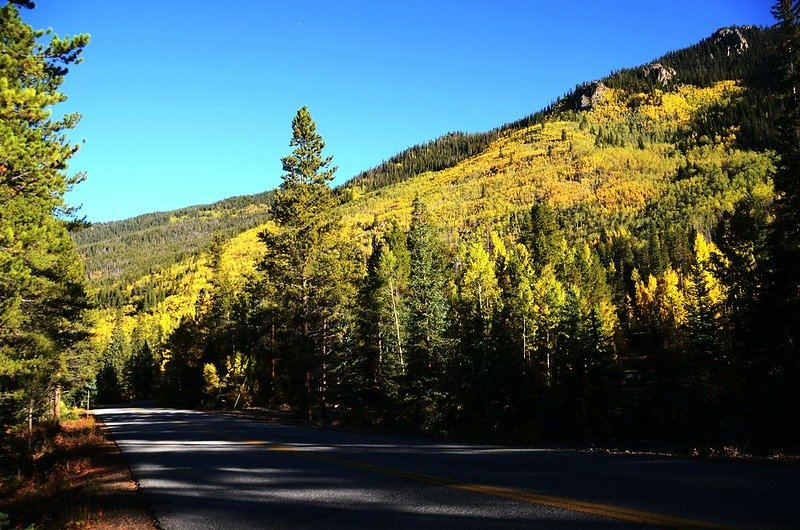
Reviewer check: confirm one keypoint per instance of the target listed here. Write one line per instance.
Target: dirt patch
(75, 478)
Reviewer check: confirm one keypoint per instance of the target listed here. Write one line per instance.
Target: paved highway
(200, 470)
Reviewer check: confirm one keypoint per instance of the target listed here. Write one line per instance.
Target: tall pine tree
(299, 253)
(427, 323)
(42, 291)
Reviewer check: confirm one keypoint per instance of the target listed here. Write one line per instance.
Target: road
(200, 470)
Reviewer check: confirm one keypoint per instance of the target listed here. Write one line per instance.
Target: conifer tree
(300, 258)
(781, 307)
(541, 233)
(42, 291)
(382, 316)
(427, 321)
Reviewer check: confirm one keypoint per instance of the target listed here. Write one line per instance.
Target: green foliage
(42, 288)
(427, 322)
(304, 262)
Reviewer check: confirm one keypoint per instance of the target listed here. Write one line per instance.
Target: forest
(616, 268)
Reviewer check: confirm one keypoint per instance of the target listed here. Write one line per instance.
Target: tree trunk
(397, 327)
(57, 403)
(30, 426)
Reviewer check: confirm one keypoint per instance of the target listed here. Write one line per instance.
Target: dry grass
(74, 477)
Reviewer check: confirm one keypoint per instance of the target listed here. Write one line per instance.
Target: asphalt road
(200, 470)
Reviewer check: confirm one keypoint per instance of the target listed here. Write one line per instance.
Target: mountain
(599, 237)
(126, 250)
(720, 85)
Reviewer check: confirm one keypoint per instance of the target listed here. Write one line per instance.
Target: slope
(625, 160)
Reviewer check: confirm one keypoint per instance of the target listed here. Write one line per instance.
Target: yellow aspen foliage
(672, 306)
(661, 297)
(479, 287)
(703, 251)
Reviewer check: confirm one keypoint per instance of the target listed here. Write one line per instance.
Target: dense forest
(122, 251)
(618, 267)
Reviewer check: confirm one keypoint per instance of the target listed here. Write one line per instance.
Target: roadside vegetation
(66, 475)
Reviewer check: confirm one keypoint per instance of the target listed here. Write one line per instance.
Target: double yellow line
(619, 513)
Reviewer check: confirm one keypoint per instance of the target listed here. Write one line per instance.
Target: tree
(783, 279)
(478, 304)
(779, 352)
(541, 234)
(382, 317)
(42, 285)
(301, 253)
(427, 322)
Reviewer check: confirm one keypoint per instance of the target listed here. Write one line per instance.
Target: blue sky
(190, 101)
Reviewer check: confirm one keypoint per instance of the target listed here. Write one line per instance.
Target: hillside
(127, 250)
(616, 164)
(598, 238)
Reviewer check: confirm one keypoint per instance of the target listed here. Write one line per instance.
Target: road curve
(200, 470)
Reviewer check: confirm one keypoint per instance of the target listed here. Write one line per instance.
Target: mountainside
(128, 249)
(602, 154)
(606, 235)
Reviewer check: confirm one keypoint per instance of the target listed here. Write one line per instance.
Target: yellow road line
(620, 513)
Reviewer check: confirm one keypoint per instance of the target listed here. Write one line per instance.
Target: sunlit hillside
(626, 163)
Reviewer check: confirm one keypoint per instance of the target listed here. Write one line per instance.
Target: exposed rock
(731, 40)
(590, 95)
(658, 73)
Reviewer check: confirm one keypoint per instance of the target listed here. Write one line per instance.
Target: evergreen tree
(299, 254)
(382, 318)
(541, 234)
(142, 373)
(111, 380)
(780, 353)
(427, 323)
(42, 292)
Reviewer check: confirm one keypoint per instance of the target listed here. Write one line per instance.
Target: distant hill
(128, 249)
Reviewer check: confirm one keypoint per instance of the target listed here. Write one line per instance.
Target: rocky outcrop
(589, 95)
(731, 40)
(658, 73)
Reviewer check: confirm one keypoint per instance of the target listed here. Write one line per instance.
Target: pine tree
(780, 322)
(427, 322)
(42, 291)
(300, 256)
(382, 317)
(541, 234)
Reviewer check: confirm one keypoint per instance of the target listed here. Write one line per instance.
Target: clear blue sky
(188, 102)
